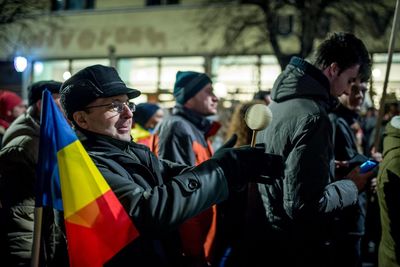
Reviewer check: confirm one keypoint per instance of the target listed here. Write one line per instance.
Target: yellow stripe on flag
(81, 181)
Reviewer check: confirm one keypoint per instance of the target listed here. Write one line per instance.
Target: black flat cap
(36, 89)
(90, 83)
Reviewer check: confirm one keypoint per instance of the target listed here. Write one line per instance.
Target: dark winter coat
(184, 138)
(297, 209)
(18, 160)
(155, 195)
(349, 224)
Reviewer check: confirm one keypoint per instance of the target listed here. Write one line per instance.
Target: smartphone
(368, 165)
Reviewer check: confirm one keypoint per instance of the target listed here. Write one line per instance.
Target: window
(237, 75)
(51, 70)
(140, 73)
(171, 65)
(61, 70)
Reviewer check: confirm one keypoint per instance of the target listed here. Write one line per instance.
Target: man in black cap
(158, 195)
(18, 160)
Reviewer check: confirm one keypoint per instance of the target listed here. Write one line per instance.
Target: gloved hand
(247, 164)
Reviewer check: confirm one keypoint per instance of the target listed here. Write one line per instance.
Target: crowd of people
(296, 198)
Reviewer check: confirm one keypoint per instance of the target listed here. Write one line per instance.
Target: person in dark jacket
(157, 194)
(290, 218)
(350, 224)
(184, 137)
(18, 160)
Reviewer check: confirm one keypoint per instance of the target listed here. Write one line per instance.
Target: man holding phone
(292, 217)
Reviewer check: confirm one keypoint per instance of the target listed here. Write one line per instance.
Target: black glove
(247, 164)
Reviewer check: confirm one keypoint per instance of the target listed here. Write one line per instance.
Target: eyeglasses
(117, 106)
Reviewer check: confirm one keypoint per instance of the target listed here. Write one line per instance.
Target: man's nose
(126, 112)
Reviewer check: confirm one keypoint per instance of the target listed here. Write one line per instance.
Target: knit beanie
(8, 100)
(188, 84)
(36, 89)
(143, 113)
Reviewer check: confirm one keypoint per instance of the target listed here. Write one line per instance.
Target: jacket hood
(300, 79)
(392, 135)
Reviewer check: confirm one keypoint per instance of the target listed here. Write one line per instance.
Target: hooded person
(146, 118)
(292, 218)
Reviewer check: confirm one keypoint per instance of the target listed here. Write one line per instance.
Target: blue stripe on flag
(55, 134)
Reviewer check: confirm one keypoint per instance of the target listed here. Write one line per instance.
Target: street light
(20, 63)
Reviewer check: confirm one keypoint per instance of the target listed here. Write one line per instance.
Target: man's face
(354, 100)
(205, 102)
(105, 120)
(341, 82)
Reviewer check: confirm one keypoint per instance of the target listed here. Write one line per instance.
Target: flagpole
(37, 232)
(385, 83)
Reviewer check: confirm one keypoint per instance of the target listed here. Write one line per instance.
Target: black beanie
(144, 111)
(188, 84)
(36, 89)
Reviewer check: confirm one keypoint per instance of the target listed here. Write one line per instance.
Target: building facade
(149, 41)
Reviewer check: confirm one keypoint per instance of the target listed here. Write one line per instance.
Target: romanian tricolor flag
(97, 225)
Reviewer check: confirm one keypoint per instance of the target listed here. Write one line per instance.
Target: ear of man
(333, 69)
(38, 105)
(80, 119)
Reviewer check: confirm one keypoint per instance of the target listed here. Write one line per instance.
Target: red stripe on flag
(93, 243)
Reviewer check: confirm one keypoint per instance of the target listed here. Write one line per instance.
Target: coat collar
(208, 127)
(301, 79)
